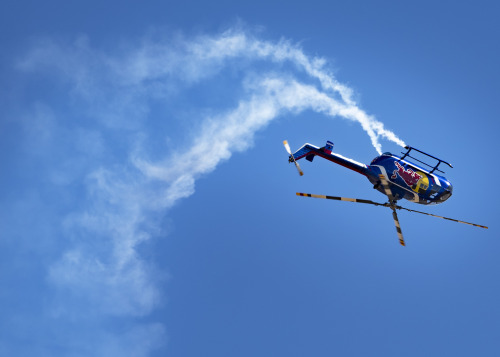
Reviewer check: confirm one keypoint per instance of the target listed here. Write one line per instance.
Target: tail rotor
(292, 159)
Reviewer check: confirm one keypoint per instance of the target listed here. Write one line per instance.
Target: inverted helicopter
(392, 175)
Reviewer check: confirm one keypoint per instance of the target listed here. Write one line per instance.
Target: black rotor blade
(449, 219)
(394, 214)
(398, 227)
(340, 198)
(385, 185)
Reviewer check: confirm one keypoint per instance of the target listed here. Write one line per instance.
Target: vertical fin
(329, 147)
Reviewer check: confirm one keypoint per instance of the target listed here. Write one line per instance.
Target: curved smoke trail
(102, 268)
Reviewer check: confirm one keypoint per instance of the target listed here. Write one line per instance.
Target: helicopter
(392, 175)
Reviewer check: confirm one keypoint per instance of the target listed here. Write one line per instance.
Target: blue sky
(148, 208)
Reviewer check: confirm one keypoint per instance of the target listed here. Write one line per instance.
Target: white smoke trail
(193, 61)
(103, 267)
(234, 44)
(146, 71)
(206, 55)
(234, 130)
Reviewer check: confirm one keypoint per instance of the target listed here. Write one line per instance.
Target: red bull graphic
(409, 176)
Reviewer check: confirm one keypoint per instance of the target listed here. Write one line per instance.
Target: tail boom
(309, 151)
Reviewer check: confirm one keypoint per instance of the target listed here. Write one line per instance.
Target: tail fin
(328, 147)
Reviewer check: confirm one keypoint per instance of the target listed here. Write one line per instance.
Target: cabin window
(434, 190)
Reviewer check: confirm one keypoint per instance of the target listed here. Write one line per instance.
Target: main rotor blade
(449, 219)
(287, 147)
(385, 185)
(394, 214)
(398, 227)
(340, 198)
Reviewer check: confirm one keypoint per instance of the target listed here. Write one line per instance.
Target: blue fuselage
(409, 181)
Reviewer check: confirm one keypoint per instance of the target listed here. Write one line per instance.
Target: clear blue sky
(147, 207)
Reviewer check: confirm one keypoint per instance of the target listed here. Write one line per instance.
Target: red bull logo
(409, 176)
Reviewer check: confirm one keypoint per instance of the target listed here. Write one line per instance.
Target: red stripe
(332, 159)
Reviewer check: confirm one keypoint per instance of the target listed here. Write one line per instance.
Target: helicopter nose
(447, 194)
